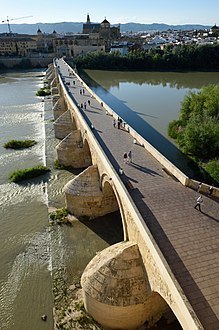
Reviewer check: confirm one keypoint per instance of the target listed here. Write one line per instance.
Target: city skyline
(141, 11)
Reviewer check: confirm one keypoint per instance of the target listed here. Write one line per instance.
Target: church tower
(88, 19)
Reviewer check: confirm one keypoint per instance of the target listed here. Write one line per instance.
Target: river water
(148, 101)
(30, 250)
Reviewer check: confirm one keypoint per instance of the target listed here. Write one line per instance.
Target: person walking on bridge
(130, 156)
(125, 157)
(199, 201)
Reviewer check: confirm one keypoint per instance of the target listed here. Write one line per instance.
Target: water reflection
(177, 80)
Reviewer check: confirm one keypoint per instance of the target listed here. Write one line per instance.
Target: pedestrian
(85, 105)
(73, 82)
(114, 122)
(101, 104)
(80, 91)
(83, 91)
(125, 157)
(199, 201)
(118, 123)
(81, 105)
(210, 190)
(199, 187)
(88, 101)
(130, 156)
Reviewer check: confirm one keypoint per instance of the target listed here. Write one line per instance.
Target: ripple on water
(36, 254)
(24, 114)
(12, 194)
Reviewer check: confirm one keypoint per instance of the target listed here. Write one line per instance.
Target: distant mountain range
(71, 27)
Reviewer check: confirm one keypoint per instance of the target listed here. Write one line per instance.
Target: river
(30, 250)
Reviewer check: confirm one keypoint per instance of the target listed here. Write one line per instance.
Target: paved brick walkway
(188, 239)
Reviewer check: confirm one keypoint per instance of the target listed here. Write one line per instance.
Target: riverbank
(24, 62)
(180, 57)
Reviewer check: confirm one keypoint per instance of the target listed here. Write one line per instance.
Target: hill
(76, 27)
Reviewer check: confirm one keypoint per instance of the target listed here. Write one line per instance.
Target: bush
(212, 168)
(19, 144)
(59, 216)
(28, 173)
(44, 91)
(174, 128)
(200, 138)
(197, 130)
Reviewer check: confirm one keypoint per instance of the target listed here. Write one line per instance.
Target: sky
(115, 11)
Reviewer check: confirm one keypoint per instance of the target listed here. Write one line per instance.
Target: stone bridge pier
(128, 283)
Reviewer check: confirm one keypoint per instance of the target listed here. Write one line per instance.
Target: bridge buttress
(54, 83)
(63, 125)
(85, 198)
(50, 76)
(72, 151)
(59, 107)
(116, 291)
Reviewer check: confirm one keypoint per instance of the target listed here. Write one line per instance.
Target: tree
(197, 130)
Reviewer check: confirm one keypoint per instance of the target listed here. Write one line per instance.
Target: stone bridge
(169, 257)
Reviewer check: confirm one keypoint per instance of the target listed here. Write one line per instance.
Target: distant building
(214, 30)
(77, 44)
(16, 45)
(102, 31)
(121, 47)
(89, 27)
(94, 37)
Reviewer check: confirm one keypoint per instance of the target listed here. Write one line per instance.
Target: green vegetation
(212, 167)
(181, 57)
(28, 173)
(19, 144)
(44, 91)
(59, 166)
(197, 130)
(59, 216)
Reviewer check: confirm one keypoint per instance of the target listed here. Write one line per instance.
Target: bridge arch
(86, 152)
(160, 312)
(108, 188)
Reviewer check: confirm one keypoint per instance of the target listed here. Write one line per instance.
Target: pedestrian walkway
(188, 238)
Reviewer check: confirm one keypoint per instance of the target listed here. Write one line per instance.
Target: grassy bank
(28, 173)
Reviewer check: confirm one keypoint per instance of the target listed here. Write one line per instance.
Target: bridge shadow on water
(157, 140)
(108, 227)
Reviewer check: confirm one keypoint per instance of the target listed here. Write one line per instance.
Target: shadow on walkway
(210, 216)
(144, 169)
